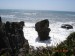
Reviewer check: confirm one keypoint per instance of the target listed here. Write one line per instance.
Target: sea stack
(42, 28)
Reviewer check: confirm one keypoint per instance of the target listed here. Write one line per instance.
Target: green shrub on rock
(71, 40)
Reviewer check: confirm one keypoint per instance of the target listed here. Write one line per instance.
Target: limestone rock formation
(12, 37)
(43, 30)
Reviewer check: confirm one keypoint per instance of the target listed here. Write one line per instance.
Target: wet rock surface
(42, 28)
(67, 26)
(12, 37)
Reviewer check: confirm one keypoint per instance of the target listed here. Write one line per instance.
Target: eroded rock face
(12, 37)
(2, 37)
(43, 30)
(0, 20)
(67, 26)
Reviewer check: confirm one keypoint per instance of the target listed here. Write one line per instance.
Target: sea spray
(57, 34)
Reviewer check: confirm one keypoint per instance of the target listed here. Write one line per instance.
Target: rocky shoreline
(12, 37)
(13, 42)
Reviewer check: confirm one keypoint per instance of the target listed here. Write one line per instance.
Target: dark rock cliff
(12, 37)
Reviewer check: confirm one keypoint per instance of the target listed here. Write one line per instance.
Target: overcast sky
(59, 5)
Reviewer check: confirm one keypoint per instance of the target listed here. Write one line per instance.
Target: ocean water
(30, 17)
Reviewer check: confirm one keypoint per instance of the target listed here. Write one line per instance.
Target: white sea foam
(29, 13)
(15, 12)
(8, 16)
(57, 34)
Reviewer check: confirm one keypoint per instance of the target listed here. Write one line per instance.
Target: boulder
(67, 26)
(42, 28)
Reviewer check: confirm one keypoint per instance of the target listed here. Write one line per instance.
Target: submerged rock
(67, 26)
(12, 37)
(43, 30)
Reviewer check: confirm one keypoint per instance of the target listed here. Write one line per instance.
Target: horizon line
(39, 10)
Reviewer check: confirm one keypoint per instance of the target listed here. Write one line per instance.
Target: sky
(58, 5)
